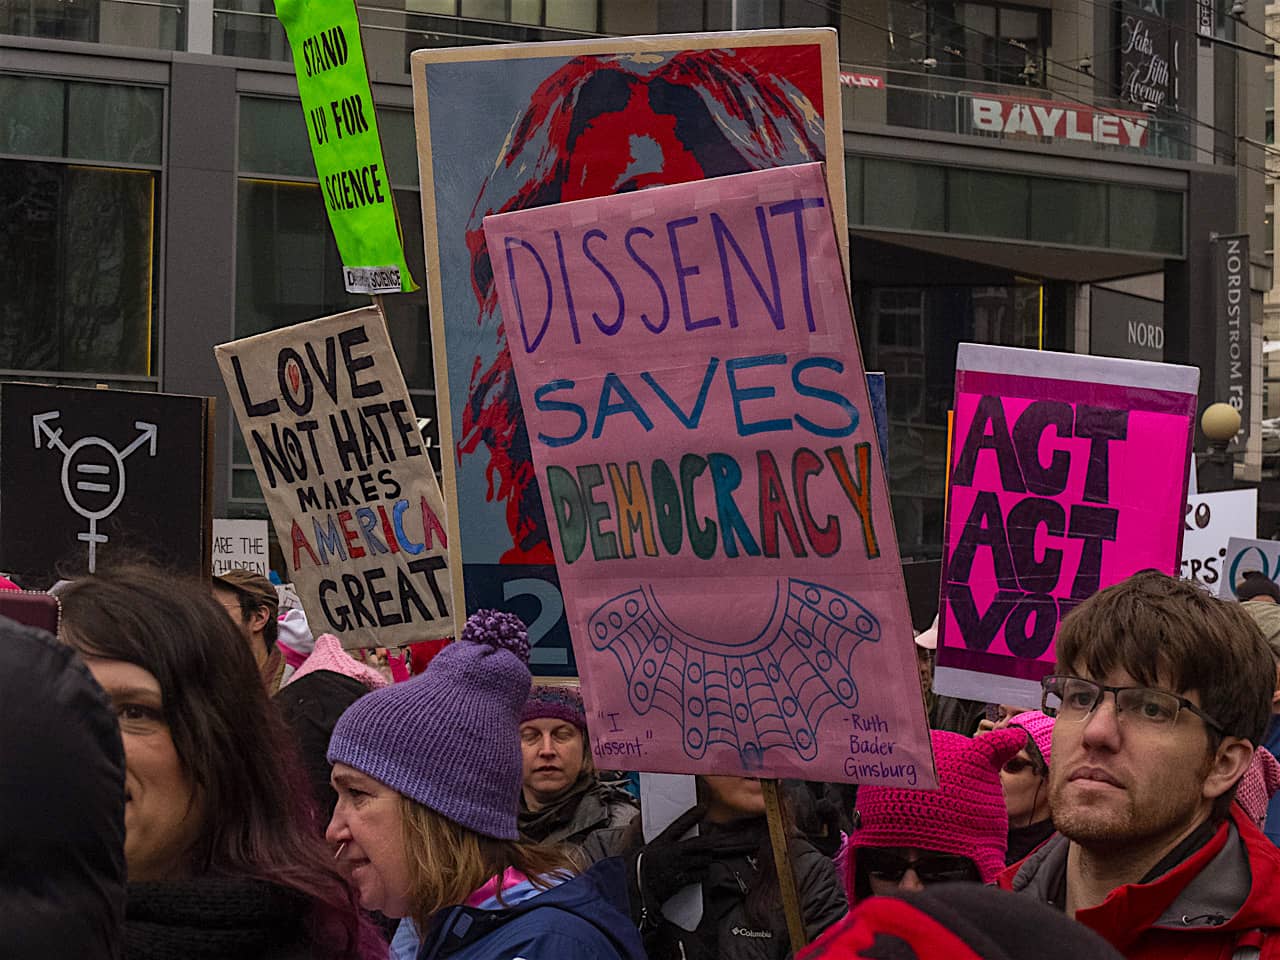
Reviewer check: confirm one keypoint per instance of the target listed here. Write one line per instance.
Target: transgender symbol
(99, 471)
(753, 693)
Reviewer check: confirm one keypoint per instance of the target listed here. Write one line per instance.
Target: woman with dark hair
(732, 859)
(221, 846)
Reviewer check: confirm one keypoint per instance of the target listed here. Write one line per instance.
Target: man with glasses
(1161, 692)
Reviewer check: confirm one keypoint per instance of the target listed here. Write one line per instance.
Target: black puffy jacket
(726, 932)
(62, 871)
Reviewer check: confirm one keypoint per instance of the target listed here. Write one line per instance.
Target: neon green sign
(334, 85)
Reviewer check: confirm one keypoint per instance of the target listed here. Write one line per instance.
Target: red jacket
(1223, 897)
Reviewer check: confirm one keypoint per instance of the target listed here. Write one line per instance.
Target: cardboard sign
(1244, 555)
(1211, 520)
(512, 126)
(92, 476)
(240, 544)
(332, 434)
(333, 85)
(701, 428)
(1068, 474)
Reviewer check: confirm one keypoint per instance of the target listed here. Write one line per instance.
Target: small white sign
(1211, 520)
(371, 279)
(240, 543)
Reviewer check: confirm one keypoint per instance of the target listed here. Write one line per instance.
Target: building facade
(1047, 174)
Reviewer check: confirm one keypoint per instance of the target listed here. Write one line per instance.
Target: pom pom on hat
(498, 629)
(965, 816)
(449, 738)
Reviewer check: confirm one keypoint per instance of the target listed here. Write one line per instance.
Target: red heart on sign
(295, 375)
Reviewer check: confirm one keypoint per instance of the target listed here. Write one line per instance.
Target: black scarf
(537, 825)
(1022, 840)
(210, 918)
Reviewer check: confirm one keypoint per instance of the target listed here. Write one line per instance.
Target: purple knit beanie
(549, 702)
(450, 737)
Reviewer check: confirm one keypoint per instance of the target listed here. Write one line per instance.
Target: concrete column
(199, 254)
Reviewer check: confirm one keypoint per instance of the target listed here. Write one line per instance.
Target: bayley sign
(1051, 120)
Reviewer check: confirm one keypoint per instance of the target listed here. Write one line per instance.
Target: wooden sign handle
(786, 870)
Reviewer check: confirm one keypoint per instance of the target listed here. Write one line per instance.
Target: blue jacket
(1272, 742)
(585, 918)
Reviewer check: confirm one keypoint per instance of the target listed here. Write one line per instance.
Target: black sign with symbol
(88, 476)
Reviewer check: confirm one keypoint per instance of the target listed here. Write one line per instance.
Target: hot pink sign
(698, 411)
(1068, 474)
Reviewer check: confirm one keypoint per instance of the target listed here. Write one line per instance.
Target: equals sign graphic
(93, 469)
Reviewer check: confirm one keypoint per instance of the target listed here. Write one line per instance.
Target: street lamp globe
(1220, 422)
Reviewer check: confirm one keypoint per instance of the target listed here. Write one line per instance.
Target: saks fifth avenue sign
(1052, 120)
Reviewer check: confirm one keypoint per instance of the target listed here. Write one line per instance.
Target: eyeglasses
(934, 868)
(1073, 699)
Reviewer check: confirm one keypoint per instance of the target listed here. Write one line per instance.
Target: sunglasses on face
(931, 868)
(1018, 765)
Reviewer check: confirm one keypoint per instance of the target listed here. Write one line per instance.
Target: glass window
(628, 18)
(240, 29)
(908, 35)
(114, 122)
(572, 14)
(906, 196)
(1020, 56)
(118, 123)
(485, 9)
(287, 264)
(50, 18)
(273, 138)
(1145, 219)
(288, 269)
(33, 117)
(399, 146)
(526, 11)
(987, 204)
(853, 187)
(78, 246)
(1068, 211)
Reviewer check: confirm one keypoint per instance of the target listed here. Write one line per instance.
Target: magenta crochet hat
(547, 701)
(329, 655)
(964, 817)
(450, 737)
(1259, 783)
(1040, 727)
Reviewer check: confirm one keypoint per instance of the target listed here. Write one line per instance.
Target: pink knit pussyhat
(1257, 786)
(1040, 727)
(964, 817)
(329, 655)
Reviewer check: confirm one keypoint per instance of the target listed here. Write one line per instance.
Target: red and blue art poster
(1068, 474)
(510, 127)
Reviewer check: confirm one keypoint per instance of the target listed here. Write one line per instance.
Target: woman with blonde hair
(428, 774)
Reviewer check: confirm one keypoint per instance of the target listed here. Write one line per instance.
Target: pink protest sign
(1068, 474)
(698, 412)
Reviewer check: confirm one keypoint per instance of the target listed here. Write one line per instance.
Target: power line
(1107, 111)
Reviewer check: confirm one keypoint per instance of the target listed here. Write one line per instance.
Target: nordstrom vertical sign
(1234, 342)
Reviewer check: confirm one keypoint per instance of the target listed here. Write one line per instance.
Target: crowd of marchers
(185, 772)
